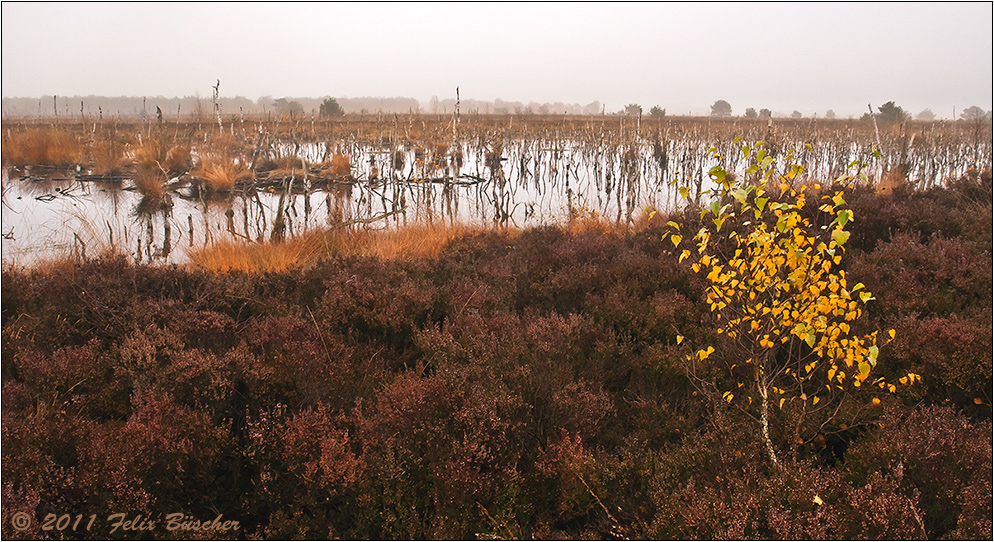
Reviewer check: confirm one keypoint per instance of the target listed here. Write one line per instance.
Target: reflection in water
(149, 210)
(522, 183)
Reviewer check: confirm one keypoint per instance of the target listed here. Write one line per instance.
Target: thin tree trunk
(764, 420)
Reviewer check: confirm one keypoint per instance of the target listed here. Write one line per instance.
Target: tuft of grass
(221, 175)
(148, 154)
(651, 217)
(40, 147)
(107, 158)
(341, 166)
(150, 182)
(178, 160)
(584, 220)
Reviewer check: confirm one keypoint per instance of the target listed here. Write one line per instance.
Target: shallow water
(53, 213)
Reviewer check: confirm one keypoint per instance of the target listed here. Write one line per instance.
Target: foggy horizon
(809, 57)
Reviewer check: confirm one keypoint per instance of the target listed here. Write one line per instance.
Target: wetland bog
(450, 328)
(157, 190)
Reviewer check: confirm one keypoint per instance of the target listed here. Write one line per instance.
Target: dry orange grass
(341, 166)
(148, 154)
(408, 242)
(107, 158)
(178, 160)
(234, 255)
(584, 220)
(150, 181)
(892, 180)
(221, 175)
(41, 147)
(650, 218)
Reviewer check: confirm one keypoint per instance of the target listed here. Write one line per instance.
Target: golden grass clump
(581, 219)
(341, 166)
(107, 158)
(412, 241)
(178, 160)
(228, 144)
(650, 218)
(148, 154)
(174, 160)
(250, 257)
(150, 182)
(221, 175)
(892, 180)
(41, 147)
(408, 242)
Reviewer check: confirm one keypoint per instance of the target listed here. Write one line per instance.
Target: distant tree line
(130, 106)
(502, 107)
(199, 106)
(889, 112)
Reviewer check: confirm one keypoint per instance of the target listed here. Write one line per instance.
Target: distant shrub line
(508, 387)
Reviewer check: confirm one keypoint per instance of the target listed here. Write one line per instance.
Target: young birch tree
(780, 295)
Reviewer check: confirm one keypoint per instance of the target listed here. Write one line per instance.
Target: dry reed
(45, 146)
(148, 154)
(409, 242)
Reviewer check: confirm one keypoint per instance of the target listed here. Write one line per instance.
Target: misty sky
(682, 56)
